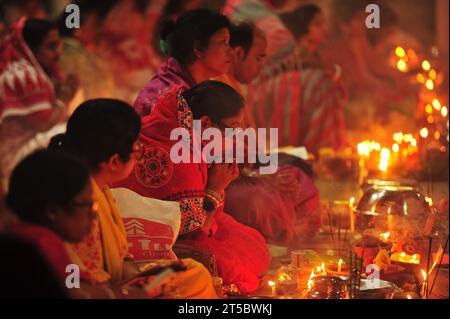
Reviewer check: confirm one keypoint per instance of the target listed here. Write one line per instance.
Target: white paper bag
(152, 225)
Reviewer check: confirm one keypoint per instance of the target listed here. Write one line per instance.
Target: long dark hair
(193, 28)
(99, 129)
(44, 179)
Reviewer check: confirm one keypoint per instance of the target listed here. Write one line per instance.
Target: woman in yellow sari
(103, 132)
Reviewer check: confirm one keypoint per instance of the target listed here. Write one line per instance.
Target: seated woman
(35, 96)
(305, 103)
(103, 133)
(281, 205)
(240, 251)
(197, 48)
(51, 194)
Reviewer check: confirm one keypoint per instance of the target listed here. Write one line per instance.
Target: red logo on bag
(148, 239)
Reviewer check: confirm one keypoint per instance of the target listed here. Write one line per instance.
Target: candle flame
(429, 200)
(424, 274)
(429, 84)
(400, 52)
(432, 74)
(429, 109)
(320, 272)
(436, 104)
(424, 132)
(385, 236)
(420, 78)
(437, 135)
(271, 283)
(408, 296)
(395, 148)
(426, 65)
(444, 111)
(402, 66)
(352, 200)
(384, 159)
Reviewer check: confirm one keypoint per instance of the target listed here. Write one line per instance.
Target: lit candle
(352, 216)
(273, 286)
(424, 283)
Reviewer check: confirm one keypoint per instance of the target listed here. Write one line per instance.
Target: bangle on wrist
(214, 194)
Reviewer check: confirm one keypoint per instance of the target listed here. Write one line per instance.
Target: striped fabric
(306, 107)
(304, 104)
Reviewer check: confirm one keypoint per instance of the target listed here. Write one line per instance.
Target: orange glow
(340, 262)
(412, 54)
(400, 52)
(424, 132)
(424, 274)
(384, 159)
(398, 137)
(430, 119)
(385, 236)
(437, 135)
(352, 200)
(401, 66)
(366, 147)
(432, 74)
(318, 271)
(405, 258)
(420, 78)
(426, 65)
(429, 109)
(436, 104)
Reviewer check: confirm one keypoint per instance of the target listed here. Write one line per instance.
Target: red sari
(240, 251)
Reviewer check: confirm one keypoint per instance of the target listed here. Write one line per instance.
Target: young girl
(104, 132)
(197, 46)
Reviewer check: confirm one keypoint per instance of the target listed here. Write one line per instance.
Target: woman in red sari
(240, 251)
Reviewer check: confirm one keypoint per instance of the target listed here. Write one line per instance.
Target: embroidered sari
(240, 251)
(102, 254)
(257, 203)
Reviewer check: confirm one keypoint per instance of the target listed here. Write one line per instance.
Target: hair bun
(168, 27)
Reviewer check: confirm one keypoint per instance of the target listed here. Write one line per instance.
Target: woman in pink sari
(240, 251)
(197, 45)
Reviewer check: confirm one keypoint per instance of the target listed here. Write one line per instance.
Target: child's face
(317, 29)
